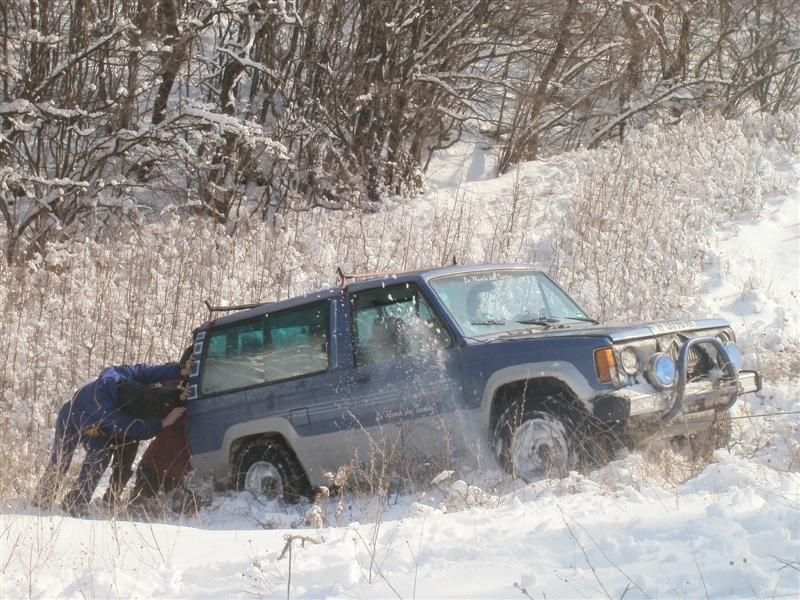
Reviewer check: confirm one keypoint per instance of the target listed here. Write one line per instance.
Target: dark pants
(123, 453)
(150, 483)
(70, 431)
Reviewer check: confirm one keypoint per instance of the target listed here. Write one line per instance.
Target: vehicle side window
(278, 346)
(297, 342)
(395, 321)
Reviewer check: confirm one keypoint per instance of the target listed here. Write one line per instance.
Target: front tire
(267, 468)
(716, 436)
(534, 444)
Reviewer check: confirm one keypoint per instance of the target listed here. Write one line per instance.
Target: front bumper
(685, 397)
(697, 396)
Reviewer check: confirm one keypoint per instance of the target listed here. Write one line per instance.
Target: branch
(76, 58)
(600, 135)
(755, 82)
(246, 62)
(291, 538)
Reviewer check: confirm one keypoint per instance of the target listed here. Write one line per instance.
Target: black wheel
(267, 468)
(717, 435)
(535, 443)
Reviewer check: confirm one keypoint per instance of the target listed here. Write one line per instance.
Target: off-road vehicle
(460, 359)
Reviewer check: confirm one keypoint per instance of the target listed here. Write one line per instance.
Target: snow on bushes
(628, 229)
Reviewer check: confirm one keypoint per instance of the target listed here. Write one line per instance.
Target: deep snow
(645, 526)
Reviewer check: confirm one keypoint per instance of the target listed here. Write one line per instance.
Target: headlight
(661, 370)
(629, 358)
(735, 355)
(724, 337)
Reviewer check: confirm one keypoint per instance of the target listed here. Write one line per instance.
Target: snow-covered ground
(649, 525)
(730, 532)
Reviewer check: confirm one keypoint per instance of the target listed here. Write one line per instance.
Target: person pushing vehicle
(96, 417)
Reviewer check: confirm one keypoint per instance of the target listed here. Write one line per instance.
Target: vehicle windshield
(493, 302)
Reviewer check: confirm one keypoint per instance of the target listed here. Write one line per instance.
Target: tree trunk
(526, 145)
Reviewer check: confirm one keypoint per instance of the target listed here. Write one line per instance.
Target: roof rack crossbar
(344, 277)
(213, 309)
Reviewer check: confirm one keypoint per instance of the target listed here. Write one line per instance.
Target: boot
(74, 505)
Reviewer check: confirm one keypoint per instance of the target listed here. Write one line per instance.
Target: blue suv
(461, 360)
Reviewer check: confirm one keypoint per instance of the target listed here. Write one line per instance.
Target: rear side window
(278, 346)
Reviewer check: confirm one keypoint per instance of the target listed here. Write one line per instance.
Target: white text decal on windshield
(483, 277)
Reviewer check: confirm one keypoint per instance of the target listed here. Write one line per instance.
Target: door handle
(364, 378)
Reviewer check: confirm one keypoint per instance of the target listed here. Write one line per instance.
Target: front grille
(673, 349)
(698, 363)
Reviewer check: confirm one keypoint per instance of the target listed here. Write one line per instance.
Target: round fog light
(735, 355)
(661, 370)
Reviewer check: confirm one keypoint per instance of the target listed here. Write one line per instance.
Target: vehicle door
(405, 385)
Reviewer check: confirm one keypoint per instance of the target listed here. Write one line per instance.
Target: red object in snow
(168, 453)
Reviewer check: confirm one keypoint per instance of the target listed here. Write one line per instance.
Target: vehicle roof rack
(213, 309)
(345, 277)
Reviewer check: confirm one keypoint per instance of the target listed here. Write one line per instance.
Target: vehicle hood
(616, 332)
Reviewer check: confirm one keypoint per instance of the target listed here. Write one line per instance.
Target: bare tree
(237, 109)
(648, 60)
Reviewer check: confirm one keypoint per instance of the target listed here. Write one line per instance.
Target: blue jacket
(97, 404)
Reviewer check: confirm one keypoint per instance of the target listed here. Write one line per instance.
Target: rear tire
(534, 444)
(266, 468)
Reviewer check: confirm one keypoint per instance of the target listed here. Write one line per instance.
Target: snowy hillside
(709, 211)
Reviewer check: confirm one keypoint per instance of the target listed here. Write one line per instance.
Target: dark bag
(148, 403)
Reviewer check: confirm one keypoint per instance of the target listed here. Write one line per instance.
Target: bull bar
(731, 384)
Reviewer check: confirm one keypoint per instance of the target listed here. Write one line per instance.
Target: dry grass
(624, 234)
